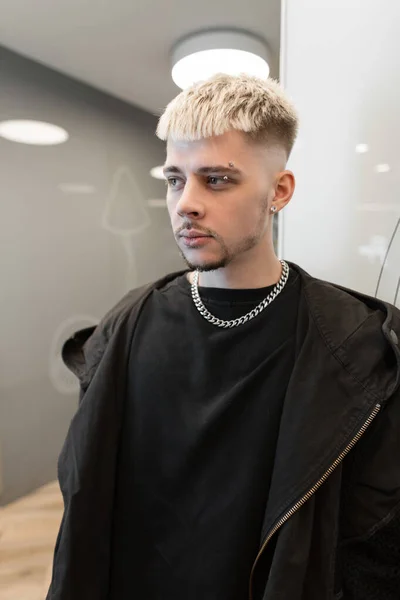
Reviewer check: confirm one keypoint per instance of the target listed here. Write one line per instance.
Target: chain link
(253, 313)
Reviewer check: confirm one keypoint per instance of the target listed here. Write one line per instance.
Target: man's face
(219, 193)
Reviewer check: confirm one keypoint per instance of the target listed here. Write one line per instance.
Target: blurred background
(82, 208)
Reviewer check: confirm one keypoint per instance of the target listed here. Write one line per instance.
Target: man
(238, 430)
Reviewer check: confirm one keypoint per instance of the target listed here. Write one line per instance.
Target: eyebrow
(173, 170)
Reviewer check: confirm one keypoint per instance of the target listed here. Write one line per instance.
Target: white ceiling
(122, 47)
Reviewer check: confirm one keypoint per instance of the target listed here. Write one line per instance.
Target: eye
(214, 180)
(173, 182)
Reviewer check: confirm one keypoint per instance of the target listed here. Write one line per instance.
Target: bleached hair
(257, 107)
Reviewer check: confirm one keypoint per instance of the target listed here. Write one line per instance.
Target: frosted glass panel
(340, 63)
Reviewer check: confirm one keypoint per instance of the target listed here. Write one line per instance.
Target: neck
(259, 270)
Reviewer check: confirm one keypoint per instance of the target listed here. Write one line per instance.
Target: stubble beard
(228, 255)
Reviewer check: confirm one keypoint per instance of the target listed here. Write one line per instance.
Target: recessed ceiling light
(362, 148)
(382, 168)
(200, 56)
(157, 172)
(33, 132)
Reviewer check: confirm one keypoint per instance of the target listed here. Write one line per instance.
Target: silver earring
(273, 209)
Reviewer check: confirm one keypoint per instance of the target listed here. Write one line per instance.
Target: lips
(193, 234)
(195, 239)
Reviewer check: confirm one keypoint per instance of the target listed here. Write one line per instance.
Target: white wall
(340, 63)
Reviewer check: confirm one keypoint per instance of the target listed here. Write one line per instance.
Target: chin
(205, 264)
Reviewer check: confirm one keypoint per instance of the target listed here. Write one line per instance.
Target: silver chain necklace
(250, 315)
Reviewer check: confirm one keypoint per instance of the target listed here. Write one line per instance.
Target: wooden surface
(28, 531)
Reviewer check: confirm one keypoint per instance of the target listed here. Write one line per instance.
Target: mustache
(187, 225)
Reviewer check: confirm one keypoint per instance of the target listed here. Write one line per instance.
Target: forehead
(222, 149)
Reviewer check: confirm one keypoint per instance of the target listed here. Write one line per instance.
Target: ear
(284, 188)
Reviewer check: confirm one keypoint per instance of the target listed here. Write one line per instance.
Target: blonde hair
(257, 107)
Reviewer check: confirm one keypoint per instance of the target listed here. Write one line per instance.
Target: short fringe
(223, 103)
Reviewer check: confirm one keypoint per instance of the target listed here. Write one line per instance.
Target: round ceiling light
(205, 54)
(33, 132)
(157, 172)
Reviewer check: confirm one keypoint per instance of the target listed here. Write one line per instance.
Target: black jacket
(332, 521)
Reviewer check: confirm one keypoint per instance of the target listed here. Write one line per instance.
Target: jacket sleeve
(370, 551)
(86, 474)
(87, 465)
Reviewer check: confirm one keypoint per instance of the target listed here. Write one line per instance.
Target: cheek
(244, 218)
(237, 222)
(171, 207)
(245, 212)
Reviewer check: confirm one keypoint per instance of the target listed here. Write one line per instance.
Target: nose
(190, 203)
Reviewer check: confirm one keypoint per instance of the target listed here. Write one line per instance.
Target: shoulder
(341, 311)
(83, 351)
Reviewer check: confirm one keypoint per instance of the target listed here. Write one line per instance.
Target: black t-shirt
(201, 421)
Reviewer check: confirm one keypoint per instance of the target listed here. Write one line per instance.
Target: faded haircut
(257, 107)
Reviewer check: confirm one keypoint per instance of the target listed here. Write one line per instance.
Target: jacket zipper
(312, 491)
